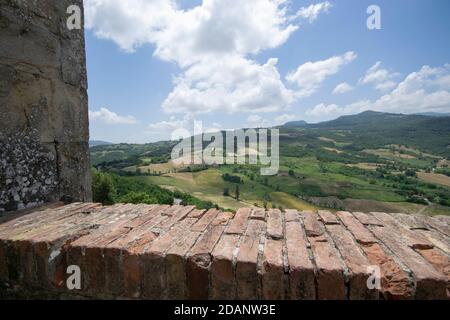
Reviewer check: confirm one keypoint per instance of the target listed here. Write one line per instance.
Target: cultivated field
(434, 178)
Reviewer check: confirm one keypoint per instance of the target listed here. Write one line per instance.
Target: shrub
(231, 178)
(138, 197)
(103, 190)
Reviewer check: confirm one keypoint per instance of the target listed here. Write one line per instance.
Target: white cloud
(211, 43)
(311, 13)
(282, 119)
(310, 76)
(330, 111)
(166, 128)
(343, 88)
(233, 84)
(426, 90)
(323, 110)
(110, 117)
(381, 79)
(214, 28)
(256, 121)
(130, 24)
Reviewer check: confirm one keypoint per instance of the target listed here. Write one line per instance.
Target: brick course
(176, 252)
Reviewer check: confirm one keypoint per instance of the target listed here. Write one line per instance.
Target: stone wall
(44, 130)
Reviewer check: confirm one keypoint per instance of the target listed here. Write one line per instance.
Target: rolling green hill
(375, 129)
(368, 162)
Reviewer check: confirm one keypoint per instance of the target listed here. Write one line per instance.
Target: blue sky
(153, 67)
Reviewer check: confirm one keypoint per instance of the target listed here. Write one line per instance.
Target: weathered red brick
(274, 224)
(40, 257)
(247, 261)
(273, 270)
(410, 221)
(395, 283)
(301, 269)
(440, 262)
(205, 220)
(313, 227)
(414, 239)
(357, 264)
(179, 215)
(27, 220)
(291, 215)
(330, 271)
(430, 284)
(176, 266)
(199, 262)
(239, 223)
(95, 266)
(87, 251)
(133, 269)
(436, 238)
(138, 228)
(361, 233)
(367, 219)
(196, 213)
(437, 224)
(153, 256)
(42, 224)
(173, 210)
(223, 285)
(437, 259)
(123, 272)
(258, 214)
(223, 218)
(327, 217)
(30, 212)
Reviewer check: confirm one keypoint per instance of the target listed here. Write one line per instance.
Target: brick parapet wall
(177, 252)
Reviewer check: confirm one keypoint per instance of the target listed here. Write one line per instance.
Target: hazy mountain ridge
(376, 129)
(94, 143)
(368, 129)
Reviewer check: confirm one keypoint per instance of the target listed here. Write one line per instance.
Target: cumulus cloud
(343, 87)
(233, 84)
(257, 121)
(282, 119)
(310, 76)
(186, 36)
(323, 110)
(211, 43)
(422, 91)
(168, 125)
(109, 117)
(380, 78)
(426, 90)
(311, 13)
(332, 110)
(184, 127)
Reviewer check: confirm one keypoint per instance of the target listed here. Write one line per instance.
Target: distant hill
(94, 143)
(372, 129)
(299, 123)
(372, 121)
(434, 114)
(353, 133)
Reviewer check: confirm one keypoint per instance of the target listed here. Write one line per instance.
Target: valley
(366, 162)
